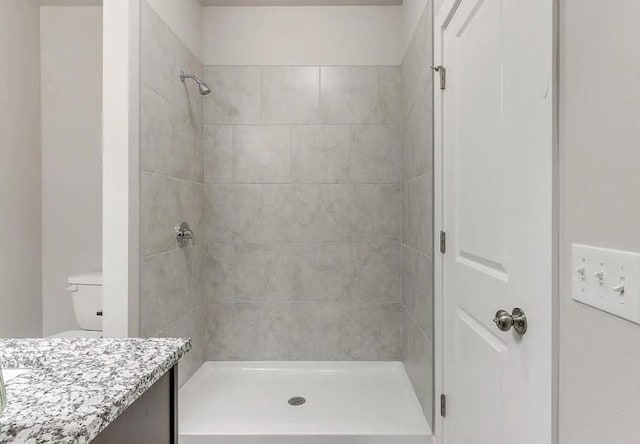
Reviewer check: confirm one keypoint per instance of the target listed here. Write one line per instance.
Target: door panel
(482, 197)
(482, 360)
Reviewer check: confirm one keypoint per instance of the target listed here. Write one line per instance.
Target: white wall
(183, 17)
(20, 301)
(120, 160)
(325, 35)
(600, 156)
(71, 64)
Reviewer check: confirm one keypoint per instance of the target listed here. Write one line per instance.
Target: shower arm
(184, 76)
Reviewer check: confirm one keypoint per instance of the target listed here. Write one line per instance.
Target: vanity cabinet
(151, 419)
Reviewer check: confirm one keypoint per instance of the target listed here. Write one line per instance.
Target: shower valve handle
(184, 235)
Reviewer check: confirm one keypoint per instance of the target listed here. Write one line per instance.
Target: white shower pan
(346, 403)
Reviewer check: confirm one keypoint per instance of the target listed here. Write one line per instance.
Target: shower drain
(297, 401)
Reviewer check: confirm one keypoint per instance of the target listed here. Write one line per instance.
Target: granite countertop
(78, 386)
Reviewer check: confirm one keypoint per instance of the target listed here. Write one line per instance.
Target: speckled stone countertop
(78, 386)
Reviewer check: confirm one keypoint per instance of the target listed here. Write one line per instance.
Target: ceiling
(298, 2)
(242, 2)
(70, 2)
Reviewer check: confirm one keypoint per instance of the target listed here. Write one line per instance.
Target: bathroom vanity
(80, 390)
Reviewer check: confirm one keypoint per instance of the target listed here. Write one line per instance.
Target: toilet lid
(93, 278)
(78, 334)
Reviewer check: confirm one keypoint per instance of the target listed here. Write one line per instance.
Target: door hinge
(443, 242)
(443, 405)
(443, 75)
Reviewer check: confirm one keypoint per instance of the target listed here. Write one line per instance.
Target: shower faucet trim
(184, 234)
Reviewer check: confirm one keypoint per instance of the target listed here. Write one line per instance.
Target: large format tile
(419, 234)
(197, 159)
(235, 96)
(262, 154)
(184, 147)
(302, 212)
(192, 261)
(349, 95)
(406, 239)
(349, 212)
(321, 154)
(258, 331)
(418, 138)
(233, 213)
(218, 153)
(165, 201)
(322, 271)
(376, 154)
(417, 100)
(171, 287)
(390, 95)
(391, 332)
(237, 331)
(291, 94)
(417, 288)
(156, 135)
(293, 331)
(417, 75)
(250, 272)
(305, 272)
(345, 331)
(377, 272)
(160, 285)
(169, 138)
(156, 69)
(418, 361)
(391, 211)
(292, 213)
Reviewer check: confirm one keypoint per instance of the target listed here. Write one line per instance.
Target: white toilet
(86, 291)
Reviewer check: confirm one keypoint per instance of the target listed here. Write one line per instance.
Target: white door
(496, 184)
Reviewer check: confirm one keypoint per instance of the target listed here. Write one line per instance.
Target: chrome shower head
(202, 87)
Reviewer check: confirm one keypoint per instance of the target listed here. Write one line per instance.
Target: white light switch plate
(596, 274)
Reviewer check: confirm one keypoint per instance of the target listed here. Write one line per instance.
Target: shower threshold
(301, 403)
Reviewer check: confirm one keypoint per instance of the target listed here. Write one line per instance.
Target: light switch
(607, 279)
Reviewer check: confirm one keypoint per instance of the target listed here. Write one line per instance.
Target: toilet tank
(86, 291)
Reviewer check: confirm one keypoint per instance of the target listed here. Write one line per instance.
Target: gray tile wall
(171, 189)
(303, 213)
(417, 231)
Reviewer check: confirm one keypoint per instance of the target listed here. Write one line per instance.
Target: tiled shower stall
(309, 190)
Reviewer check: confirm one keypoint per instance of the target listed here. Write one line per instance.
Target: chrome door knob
(503, 320)
(517, 319)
